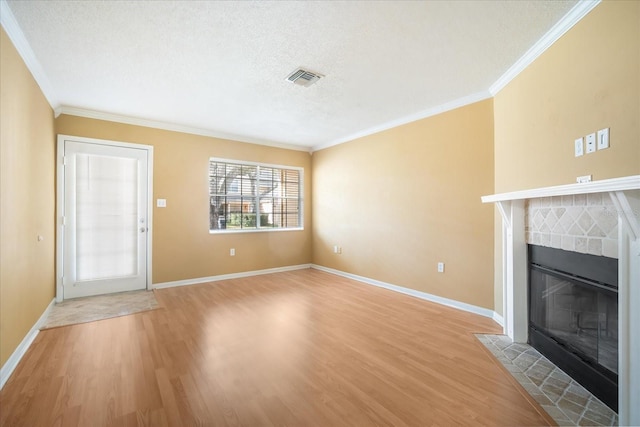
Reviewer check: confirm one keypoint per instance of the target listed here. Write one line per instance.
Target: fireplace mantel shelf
(605, 185)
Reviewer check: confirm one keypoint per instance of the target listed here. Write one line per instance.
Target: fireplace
(573, 316)
(624, 193)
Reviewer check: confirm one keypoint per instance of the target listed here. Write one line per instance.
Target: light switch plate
(161, 203)
(603, 139)
(591, 143)
(579, 147)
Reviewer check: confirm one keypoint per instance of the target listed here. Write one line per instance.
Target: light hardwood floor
(302, 348)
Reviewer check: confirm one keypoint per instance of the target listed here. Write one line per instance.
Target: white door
(105, 205)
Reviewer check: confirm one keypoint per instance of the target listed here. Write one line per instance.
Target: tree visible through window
(251, 196)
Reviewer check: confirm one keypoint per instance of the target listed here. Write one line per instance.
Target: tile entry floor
(89, 309)
(560, 396)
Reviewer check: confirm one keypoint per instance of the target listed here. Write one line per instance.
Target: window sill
(258, 230)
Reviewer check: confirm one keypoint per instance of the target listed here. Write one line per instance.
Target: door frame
(60, 203)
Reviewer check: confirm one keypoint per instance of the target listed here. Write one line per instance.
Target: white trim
(433, 111)
(10, 25)
(60, 213)
(158, 124)
(248, 163)
(254, 230)
(13, 360)
(628, 216)
(412, 292)
(498, 319)
(605, 185)
(579, 11)
(59, 219)
(230, 276)
(150, 210)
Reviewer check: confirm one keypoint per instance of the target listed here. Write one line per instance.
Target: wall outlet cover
(591, 143)
(579, 147)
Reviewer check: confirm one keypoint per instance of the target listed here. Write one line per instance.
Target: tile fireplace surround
(599, 217)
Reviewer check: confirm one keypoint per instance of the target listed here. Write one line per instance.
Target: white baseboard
(418, 294)
(199, 280)
(498, 319)
(8, 368)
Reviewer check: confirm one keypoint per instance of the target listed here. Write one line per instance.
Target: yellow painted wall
(27, 200)
(588, 80)
(182, 246)
(400, 201)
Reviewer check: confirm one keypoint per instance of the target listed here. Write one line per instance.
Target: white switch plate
(232, 252)
(161, 203)
(579, 147)
(591, 143)
(441, 267)
(603, 139)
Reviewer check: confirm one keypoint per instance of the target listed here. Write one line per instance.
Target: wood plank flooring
(302, 348)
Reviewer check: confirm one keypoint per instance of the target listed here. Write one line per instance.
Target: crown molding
(579, 11)
(439, 109)
(10, 25)
(137, 121)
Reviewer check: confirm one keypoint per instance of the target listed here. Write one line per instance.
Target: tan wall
(182, 246)
(588, 80)
(27, 200)
(401, 200)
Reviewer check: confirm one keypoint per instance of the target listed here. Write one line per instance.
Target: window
(252, 196)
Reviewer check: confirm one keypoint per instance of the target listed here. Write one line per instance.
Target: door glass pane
(106, 217)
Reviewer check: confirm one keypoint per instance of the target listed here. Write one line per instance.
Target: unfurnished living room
(319, 213)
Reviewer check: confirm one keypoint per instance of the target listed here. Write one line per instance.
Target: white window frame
(257, 196)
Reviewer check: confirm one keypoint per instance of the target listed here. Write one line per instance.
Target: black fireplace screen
(573, 316)
(582, 317)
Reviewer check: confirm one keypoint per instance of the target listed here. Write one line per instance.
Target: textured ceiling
(221, 66)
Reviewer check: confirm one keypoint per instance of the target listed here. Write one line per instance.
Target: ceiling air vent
(304, 77)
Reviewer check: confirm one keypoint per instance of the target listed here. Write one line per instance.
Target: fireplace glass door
(581, 316)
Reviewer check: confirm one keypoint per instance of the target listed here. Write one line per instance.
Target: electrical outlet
(583, 179)
(441, 267)
(232, 252)
(579, 147)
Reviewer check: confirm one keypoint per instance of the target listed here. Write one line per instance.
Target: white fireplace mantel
(625, 195)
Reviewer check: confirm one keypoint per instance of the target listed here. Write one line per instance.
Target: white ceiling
(219, 67)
